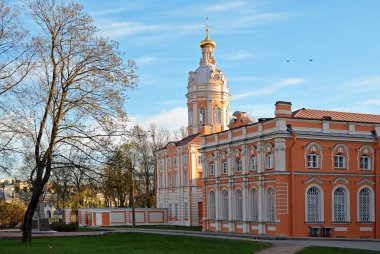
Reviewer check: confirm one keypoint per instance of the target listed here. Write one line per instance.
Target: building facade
(178, 165)
(301, 173)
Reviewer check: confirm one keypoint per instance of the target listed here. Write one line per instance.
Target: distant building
(302, 173)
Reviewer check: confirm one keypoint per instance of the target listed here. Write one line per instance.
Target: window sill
(341, 222)
(366, 222)
(312, 223)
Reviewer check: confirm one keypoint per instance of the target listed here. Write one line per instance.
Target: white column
(195, 117)
(261, 206)
(231, 205)
(209, 113)
(218, 209)
(230, 159)
(245, 206)
(244, 160)
(279, 154)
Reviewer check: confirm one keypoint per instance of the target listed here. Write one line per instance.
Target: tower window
(217, 115)
(190, 116)
(202, 116)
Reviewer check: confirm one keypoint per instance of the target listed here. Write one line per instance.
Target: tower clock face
(216, 77)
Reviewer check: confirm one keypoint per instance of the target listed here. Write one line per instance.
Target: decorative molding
(342, 179)
(365, 179)
(313, 178)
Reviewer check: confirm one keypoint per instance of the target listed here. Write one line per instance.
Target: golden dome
(207, 42)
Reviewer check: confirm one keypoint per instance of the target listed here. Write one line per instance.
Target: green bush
(62, 227)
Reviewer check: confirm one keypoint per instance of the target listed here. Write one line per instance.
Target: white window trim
(251, 200)
(224, 204)
(308, 151)
(212, 208)
(322, 202)
(372, 211)
(237, 208)
(348, 215)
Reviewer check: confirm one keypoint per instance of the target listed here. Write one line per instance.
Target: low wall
(121, 216)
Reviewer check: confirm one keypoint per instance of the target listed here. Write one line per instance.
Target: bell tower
(208, 96)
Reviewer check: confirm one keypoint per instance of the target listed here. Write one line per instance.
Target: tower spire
(206, 27)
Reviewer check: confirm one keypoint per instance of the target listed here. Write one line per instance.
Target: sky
(263, 47)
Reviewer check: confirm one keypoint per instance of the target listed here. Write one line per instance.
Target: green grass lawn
(331, 250)
(166, 227)
(131, 243)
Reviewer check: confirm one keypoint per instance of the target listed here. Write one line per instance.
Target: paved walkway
(283, 245)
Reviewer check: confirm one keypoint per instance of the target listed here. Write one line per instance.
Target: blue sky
(254, 39)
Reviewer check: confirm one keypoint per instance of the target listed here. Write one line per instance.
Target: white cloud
(227, 6)
(364, 84)
(239, 55)
(371, 102)
(292, 82)
(145, 60)
(171, 120)
(119, 29)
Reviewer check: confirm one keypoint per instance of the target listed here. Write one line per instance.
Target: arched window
(212, 205)
(217, 115)
(312, 160)
(202, 116)
(254, 208)
(339, 161)
(313, 205)
(190, 115)
(340, 205)
(271, 205)
(225, 204)
(239, 205)
(238, 165)
(365, 162)
(365, 205)
(253, 162)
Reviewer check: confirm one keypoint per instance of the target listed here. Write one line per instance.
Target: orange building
(302, 173)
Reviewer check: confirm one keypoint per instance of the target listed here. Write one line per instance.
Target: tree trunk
(28, 217)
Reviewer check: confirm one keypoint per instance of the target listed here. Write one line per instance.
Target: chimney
(283, 109)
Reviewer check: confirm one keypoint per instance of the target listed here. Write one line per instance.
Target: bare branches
(15, 52)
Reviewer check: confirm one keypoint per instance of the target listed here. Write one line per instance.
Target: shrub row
(62, 227)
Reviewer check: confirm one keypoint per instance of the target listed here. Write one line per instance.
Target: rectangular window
(175, 162)
(170, 210)
(160, 165)
(186, 178)
(169, 163)
(253, 163)
(185, 210)
(160, 181)
(339, 161)
(212, 169)
(175, 180)
(238, 165)
(224, 167)
(364, 163)
(175, 210)
(269, 161)
(312, 160)
(184, 160)
(169, 181)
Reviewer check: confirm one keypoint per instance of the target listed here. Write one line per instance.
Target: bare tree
(15, 52)
(75, 98)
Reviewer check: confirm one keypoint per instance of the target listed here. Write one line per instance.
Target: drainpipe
(377, 191)
(292, 219)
